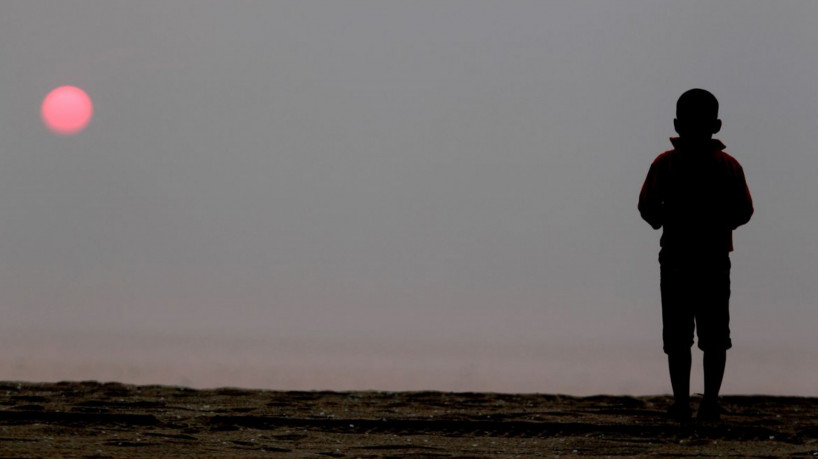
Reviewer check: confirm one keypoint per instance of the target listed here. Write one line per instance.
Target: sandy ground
(94, 420)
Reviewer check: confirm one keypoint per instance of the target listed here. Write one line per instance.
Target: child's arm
(742, 203)
(650, 198)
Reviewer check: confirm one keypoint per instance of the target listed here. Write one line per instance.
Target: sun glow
(66, 110)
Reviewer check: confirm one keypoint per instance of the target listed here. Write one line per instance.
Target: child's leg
(679, 364)
(714, 363)
(713, 324)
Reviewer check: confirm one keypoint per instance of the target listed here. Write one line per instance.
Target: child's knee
(715, 345)
(677, 348)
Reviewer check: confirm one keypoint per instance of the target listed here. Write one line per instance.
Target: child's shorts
(695, 296)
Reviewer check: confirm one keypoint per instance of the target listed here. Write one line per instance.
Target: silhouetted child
(698, 193)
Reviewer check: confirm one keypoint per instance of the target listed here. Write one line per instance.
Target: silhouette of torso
(695, 204)
(699, 195)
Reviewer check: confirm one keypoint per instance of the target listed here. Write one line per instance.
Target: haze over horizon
(410, 195)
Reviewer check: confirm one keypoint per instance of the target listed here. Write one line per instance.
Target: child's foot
(709, 410)
(679, 412)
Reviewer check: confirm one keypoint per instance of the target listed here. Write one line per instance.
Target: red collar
(679, 143)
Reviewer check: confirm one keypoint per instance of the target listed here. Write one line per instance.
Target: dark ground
(94, 420)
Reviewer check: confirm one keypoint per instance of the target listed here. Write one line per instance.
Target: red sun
(67, 110)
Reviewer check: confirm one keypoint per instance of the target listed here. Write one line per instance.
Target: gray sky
(350, 176)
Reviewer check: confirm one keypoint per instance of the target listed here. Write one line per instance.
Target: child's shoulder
(728, 159)
(664, 157)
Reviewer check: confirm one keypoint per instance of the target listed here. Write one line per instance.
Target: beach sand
(112, 420)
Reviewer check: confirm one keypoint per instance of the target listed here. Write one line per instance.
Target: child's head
(697, 115)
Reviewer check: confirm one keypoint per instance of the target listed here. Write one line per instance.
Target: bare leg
(714, 363)
(679, 365)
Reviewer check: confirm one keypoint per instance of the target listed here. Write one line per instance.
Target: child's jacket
(699, 197)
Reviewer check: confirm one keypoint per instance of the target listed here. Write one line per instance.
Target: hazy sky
(394, 180)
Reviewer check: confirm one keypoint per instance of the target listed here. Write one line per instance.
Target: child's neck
(697, 144)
